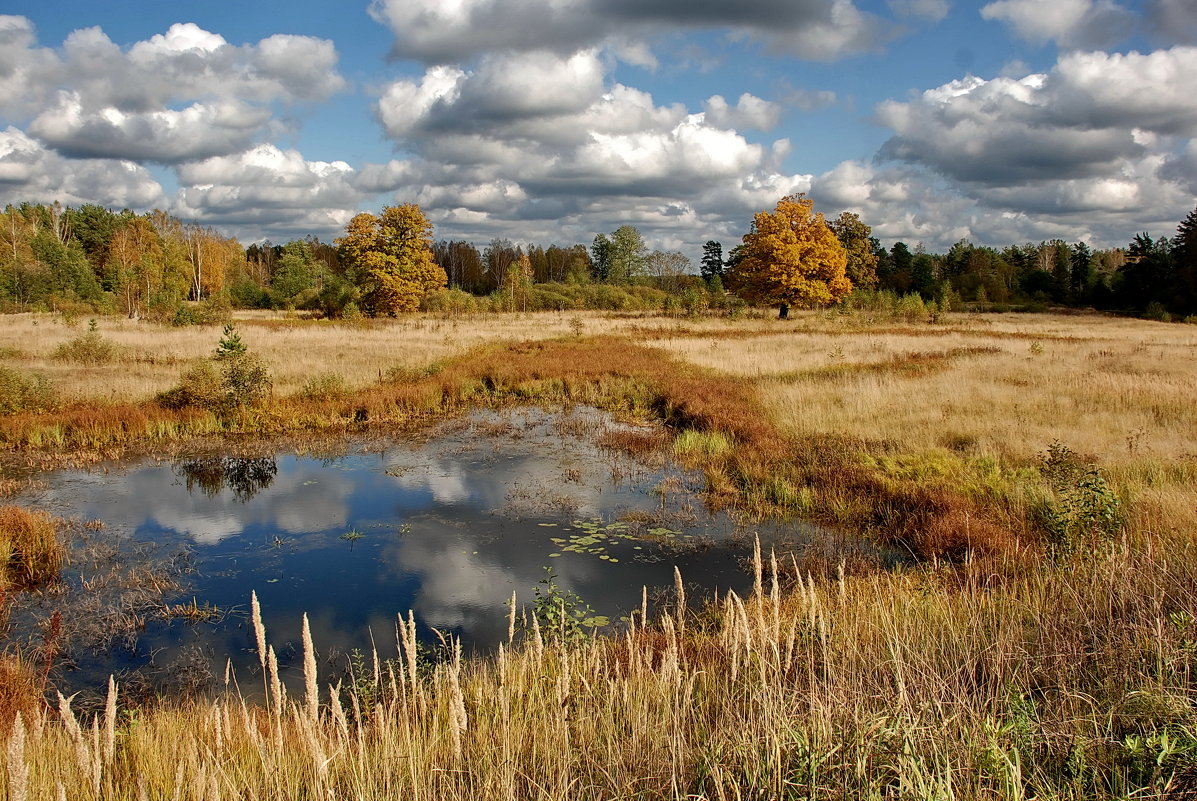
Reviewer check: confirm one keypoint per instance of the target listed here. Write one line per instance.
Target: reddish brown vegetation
(758, 473)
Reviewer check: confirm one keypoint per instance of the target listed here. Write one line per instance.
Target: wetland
(449, 525)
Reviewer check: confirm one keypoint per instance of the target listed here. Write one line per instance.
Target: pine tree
(712, 260)
(1184, 256)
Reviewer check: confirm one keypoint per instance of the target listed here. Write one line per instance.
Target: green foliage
(450, 302)
(563, 615)
(199, 387)
(241, 380)
(245, 293)
(910, 308)
(712, 261)
(691, 442)
(1083, 511)
(212, 310)
(362, 684)
(338, 298)
(246, 381)
(294, 275)
(1156, 311)
(21, 392)
(694, 301)
(89, 349)
(323, 386)
(230, 345)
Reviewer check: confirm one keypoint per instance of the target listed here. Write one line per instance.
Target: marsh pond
(165, 553)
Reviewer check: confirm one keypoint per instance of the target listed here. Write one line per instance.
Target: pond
(448, 526)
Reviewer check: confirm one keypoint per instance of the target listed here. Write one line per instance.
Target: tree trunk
(784, 312)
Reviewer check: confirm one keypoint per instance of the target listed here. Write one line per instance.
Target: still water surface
(448, 527)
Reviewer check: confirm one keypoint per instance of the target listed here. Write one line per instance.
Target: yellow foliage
(791, 258)
(390, 256)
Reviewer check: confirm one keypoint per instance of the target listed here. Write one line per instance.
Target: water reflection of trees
(245, 476)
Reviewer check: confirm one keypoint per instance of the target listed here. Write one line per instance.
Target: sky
(549, 121)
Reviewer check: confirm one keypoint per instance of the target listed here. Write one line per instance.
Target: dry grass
(31, 552)
(1110, 388)
(998, 674)
(151, 356)
(972, 401)
(945, 684)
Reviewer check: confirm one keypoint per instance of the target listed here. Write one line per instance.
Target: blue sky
(552, 120)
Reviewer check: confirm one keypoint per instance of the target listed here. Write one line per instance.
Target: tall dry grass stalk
(311, 696)
(958, 683)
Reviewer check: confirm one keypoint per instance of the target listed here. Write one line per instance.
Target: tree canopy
(791, 258)
(857, 239)
(389, 257)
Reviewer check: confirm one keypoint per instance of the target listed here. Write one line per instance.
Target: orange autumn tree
(389, 257)
(791, 258)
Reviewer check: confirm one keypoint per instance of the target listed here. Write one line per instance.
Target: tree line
(154, 265)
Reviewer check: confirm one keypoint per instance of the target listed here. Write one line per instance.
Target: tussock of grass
(30, 550)
(90, 349)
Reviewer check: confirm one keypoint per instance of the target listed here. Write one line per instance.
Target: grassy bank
(1041, 469)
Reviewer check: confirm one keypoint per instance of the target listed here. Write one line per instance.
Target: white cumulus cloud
(30, 172)
(178, 96)
(1070, 23)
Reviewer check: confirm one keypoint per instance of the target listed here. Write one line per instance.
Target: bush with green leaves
(562, 615)
(88, 349)
(22, 392)
(323, 386)
(232, 379)
(1083, 509)
(212, 310)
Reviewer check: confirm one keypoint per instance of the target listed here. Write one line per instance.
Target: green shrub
(1156, 311)
(198, 386)
(323, 387)
(562, 614)
(88, 349)
(246, 381)
(20, 392)
(449, 302)
(911, 308)
(241, 380)
(1083, 510)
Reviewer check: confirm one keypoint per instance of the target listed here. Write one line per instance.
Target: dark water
(447, 527)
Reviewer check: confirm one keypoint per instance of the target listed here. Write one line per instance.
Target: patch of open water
(447, 526)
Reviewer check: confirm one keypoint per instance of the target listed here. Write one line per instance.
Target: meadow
(1040, 471)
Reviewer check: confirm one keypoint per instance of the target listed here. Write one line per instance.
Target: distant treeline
(153, 265)
(1155, 277)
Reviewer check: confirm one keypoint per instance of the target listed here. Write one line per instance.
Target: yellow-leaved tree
(389, 257)
(790, 258)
